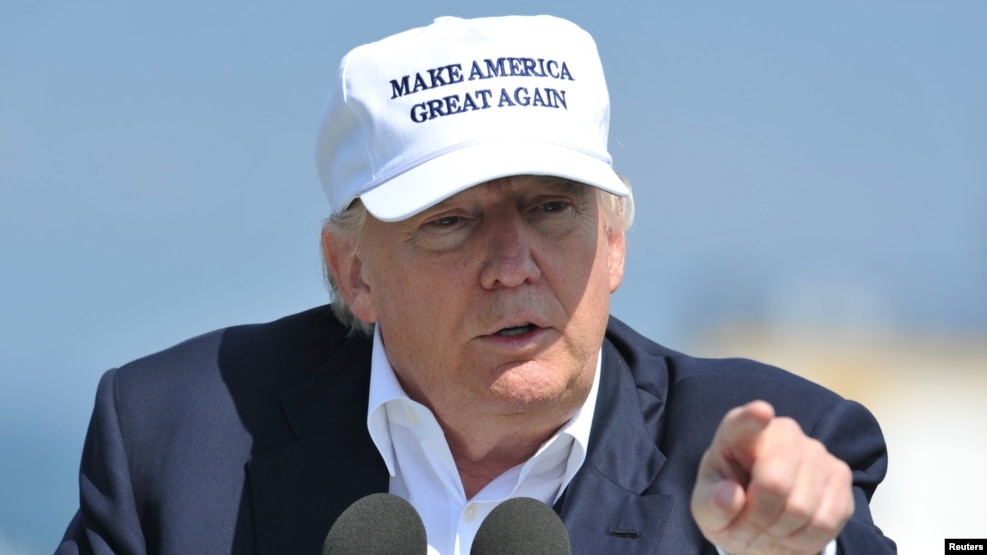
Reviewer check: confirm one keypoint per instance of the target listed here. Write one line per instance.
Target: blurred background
(811, 183)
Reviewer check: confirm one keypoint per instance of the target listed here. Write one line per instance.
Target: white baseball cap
(422, 115)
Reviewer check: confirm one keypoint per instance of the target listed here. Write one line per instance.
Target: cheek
(381, 287)
(417, 298)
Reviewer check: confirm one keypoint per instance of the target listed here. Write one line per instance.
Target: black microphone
(521, 525)
(377, 523)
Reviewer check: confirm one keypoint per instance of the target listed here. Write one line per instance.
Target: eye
(446, 221)
(554, 206)
(444, 224)
(554, 215)
(443, 232)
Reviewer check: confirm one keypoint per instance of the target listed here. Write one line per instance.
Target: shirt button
(412, 416)
(470, 513)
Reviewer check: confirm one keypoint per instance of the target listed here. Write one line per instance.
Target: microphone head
(377, 523)
(522, 525)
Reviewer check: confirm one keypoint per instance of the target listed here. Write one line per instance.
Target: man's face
(495, 300)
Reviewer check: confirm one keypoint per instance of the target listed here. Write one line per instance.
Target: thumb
(716, 502)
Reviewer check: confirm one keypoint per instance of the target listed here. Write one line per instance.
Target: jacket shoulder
(724, 382)
(228, 379)
(289, 341)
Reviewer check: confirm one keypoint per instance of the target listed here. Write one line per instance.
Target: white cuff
(829, 550)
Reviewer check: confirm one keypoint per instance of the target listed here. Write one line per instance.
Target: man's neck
(481, 456)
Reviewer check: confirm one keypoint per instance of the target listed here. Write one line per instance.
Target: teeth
(518, 330)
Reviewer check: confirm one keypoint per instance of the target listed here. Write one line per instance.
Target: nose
(508, 260)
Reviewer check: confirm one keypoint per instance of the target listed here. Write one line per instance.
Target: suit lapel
(610, 506)
(299, 489)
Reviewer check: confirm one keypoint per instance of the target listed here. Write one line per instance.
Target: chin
(523, 390)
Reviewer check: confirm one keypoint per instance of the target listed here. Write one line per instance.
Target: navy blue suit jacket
(253, 439)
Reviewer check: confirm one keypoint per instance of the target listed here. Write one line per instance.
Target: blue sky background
(795, 164)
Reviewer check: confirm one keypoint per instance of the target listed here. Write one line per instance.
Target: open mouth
(516, 330)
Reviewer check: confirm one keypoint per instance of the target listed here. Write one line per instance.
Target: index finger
(737, 437)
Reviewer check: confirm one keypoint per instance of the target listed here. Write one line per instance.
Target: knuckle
(841, 475)
(816, 448)
(829, 523)
(788, 426)
(773, 484)
(823, 525)
(799, 510)
(844, 473)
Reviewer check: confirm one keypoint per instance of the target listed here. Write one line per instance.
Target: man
(477, 231)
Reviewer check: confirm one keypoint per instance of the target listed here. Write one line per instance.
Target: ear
(344, 263)
(616, 253)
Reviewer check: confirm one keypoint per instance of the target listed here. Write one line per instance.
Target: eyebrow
(565, 185)
(555, 183)
(562, 185)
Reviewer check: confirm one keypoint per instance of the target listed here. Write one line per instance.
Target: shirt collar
(384, 388)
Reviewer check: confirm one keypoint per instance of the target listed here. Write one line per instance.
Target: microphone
(521, 525)
(377, 523)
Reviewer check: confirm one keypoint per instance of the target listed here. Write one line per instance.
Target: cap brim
(440, 178)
